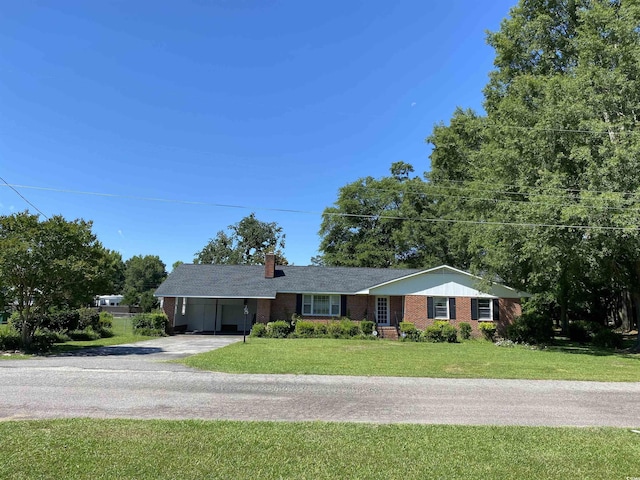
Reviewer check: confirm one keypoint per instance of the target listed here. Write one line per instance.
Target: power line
(630, 206)
(24, 198)
(338, 214)
(563, 130)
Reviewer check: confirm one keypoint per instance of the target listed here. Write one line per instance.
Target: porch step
(390, 333)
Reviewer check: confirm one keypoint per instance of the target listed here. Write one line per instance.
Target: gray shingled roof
(247, 281)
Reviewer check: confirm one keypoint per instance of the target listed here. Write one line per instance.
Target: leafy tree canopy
(551, 175)
(143, 274)
(47, 264)
(387, 222)
(246, 243)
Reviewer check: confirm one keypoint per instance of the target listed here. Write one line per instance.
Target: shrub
(320, 330)
(86, 334)
(88, 318)
(531, 327)
(409, 332)
(577, 332)
(305, 328)
(9, 339)
(152, 324)
(295, 318)
(278, 329)
(61, 320)
(106, 320)
(488, 330)
(105, 324)
(259, 330)
(42, 341)
(465, 330)
(441, 331)
(367, 327)
(449, 332)
(606, 338)
(349, 328)
(334, 330)
(61, 337)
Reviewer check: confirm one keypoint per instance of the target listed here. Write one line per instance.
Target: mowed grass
(122, 333)
(121, 449)
(472, 359)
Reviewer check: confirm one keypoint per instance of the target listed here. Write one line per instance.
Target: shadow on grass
(567, 346)
(114, 350)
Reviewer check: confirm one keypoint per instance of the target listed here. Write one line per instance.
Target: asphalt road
(135, 381)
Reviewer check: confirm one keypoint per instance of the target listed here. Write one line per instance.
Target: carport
(214, 315)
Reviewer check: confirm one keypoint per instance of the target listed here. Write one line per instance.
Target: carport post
(244, 328)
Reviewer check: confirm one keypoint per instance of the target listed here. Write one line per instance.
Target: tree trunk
(25, 334)
(564, 301)
(636, 314)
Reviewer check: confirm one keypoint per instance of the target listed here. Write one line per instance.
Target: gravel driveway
(136, 381)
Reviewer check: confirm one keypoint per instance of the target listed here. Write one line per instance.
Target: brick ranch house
(212, 298)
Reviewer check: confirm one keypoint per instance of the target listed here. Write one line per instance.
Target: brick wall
(510, 309)
(357, 307)
(169, 307)
(283, 307)
(395, 310)
(415, 311)
(263, 310)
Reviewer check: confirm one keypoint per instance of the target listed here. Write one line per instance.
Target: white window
(441, 307)
(485, 309)
(321, 305)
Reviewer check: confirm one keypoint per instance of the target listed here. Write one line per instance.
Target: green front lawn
(472, 359)
(121, 449)
(122, 333)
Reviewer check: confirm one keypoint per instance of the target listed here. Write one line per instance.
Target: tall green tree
(246, 243)
(553, 183)
(47, 264)
(143, 274)
(388, 222)
(113, 268)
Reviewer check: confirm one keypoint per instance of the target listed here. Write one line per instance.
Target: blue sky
(259, 104)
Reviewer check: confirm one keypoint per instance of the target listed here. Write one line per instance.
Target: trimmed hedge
(409, 332)
(278, 329)
(441, 331)
(366, 326)
(259, 330)
(465, 330)
(488, 330)
(150, 324)
(305, 328)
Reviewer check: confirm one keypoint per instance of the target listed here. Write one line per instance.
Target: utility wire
(24, 198)
(630, 206)
(338, 214)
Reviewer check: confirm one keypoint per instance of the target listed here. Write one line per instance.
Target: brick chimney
(269, 265)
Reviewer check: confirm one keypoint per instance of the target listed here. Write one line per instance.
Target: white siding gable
(442, 282)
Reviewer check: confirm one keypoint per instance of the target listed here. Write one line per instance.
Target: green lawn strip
(122, 334)
(97, 449)
(473, 359)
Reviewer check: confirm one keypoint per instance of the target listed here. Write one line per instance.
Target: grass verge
(473, 359)
(99, 449)
(122, 333)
